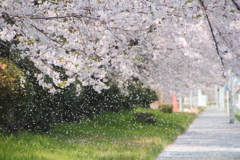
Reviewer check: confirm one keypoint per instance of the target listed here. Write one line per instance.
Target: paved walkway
(209, 137)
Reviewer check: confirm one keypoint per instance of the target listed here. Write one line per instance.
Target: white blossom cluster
(167, 45)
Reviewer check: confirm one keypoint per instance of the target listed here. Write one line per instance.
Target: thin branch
(236, 4)
(5, 45)
(59, 17)
(54, 2)
(213, 35)
(50, 17)
(46, 35)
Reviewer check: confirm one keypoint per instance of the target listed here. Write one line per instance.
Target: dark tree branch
(1, 43)
(236, 4)
(41, 31)
(213, 35)
(7, 18)
(60, 17)
(52, 2)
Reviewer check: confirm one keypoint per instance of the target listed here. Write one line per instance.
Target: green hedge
(165, 108)
(140, 96)
(25, 105)
(145, 118)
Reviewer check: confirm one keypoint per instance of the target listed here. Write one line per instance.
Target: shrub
(138, 95)
(11, 78)
(165, 108)
(145, 118)
(11, 91)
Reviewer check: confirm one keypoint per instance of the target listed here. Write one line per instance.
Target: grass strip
(237, 117)
(115, 136)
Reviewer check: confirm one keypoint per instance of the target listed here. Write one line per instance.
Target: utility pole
(216, 95)
(231, 93)
(191, 99)
(180, 103)
(227, 103)
(221, 97)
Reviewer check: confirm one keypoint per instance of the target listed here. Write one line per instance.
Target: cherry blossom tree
(168, 45)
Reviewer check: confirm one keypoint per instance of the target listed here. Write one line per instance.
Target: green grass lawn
(109, 136)
(237, 117)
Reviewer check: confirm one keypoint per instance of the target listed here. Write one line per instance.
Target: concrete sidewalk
(209, 137)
